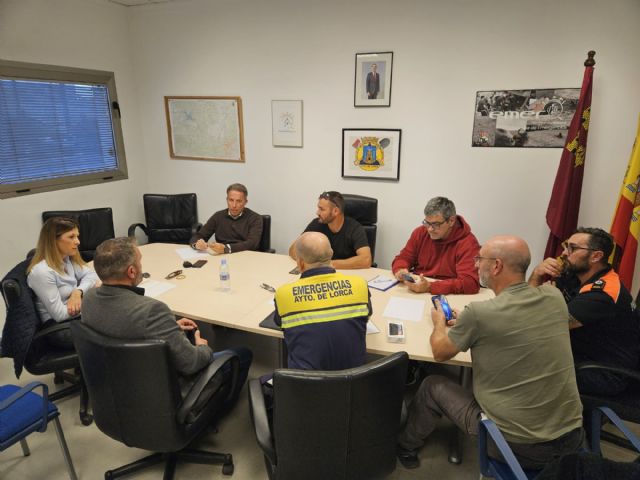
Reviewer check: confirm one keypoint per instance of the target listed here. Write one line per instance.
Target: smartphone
(408, 278)
(198, 264)
(446, 308)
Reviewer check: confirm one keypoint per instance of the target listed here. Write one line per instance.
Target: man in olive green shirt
(523, 374)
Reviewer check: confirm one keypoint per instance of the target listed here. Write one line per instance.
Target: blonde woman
(59, 277)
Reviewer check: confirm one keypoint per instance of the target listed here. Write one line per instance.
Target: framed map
(205, 128)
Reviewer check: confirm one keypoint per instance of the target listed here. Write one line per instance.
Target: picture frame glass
(205, 128)
(373, 79)
(286, 123)
(371, 153)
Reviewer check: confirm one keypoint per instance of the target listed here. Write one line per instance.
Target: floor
(93, 452)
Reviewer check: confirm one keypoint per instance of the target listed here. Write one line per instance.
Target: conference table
(199, 296)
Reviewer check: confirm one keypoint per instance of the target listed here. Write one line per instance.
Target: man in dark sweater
(236, 228)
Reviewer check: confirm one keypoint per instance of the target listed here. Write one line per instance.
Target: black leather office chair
(25, 342)
(338, 425)
(96, 226)
(136, 399)
(169, 218)
(265, 239)
(365, 211)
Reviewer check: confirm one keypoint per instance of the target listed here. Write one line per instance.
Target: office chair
(27, 344)
(591, 464)
(338, 425)
(626, 404)
(137, 401)
(23, 412)
(169, 218)
(265, 238)
(365, 211)
(96, 226)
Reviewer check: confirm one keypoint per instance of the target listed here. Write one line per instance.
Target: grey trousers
(438, 396)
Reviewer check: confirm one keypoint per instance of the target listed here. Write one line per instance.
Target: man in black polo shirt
(603, 327)
(347, 237)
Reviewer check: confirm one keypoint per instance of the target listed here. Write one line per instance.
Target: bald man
(324, 314)
(523, 377)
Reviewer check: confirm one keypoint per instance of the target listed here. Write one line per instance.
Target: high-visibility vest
(322, 298)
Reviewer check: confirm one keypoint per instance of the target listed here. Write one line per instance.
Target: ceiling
(136, 3)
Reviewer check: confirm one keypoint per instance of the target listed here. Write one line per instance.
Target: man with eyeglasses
(602, 325)
(442, 248)
(346, 236)
(523, 376)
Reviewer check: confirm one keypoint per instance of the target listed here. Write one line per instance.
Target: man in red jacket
(443, 248)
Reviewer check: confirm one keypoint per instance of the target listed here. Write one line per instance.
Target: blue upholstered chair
(581, 461)
(23, 412)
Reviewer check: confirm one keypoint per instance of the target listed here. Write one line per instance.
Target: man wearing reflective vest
(323, 314)
(603, 327)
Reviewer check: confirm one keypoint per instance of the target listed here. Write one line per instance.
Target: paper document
(371, 328)
(154, 288)
(382, 282)
(188, 253)
(404, 309)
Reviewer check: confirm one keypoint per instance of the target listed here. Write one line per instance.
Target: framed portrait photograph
(205, 128)
(286, 123)
(373, 79)
(371, 153)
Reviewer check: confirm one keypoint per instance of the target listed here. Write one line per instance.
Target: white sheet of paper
(404, 309)
(154, 288)
(371, 328)
(188, 253)
(382, 282)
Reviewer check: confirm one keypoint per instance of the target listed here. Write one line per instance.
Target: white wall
(444, 51)
(84, 34)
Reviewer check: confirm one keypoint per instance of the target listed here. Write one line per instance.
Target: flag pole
(590, 62)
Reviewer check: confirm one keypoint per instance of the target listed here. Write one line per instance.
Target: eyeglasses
(178, 275)
(434, 225)
(477, 258)
(572, 247)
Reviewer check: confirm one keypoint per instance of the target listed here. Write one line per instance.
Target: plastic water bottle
(225, 276)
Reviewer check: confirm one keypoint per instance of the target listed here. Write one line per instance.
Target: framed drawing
(286, 123)
(205, 128)
(534, 118)
(373, 79)
(371, 153)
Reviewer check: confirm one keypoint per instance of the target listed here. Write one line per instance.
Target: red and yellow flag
(626, 221)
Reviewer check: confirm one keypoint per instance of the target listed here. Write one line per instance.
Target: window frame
(32, 71)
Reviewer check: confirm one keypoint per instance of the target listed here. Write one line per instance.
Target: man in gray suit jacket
(119, 309)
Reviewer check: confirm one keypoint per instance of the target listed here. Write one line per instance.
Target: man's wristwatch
(227, 248)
